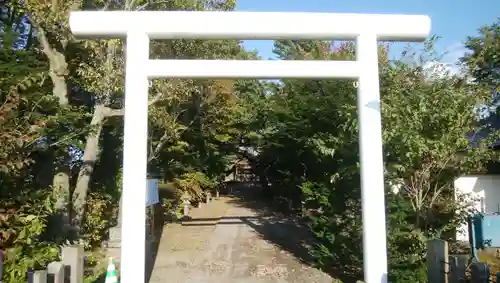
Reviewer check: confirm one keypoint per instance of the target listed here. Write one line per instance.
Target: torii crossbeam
(139, 27)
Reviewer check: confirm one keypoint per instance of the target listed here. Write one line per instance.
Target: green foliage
(171, 208)
(25, 109)
(28, 115)
(61, 112)
(426, 121)
(407, 248)
(99, 218)
(483, 60)
(195, 184)
(23, 227)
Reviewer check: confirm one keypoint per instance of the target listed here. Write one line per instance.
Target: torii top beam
(243, 25)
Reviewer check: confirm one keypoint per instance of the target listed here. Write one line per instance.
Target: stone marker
(61, 190)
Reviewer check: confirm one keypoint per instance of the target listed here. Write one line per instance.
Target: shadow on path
(291, 234)
(286, 232)
(152, 248)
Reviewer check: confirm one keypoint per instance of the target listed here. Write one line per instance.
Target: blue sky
(453, 20)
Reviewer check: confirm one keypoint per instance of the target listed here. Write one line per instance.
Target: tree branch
(155, 99)
(110, 112)
(154, 153)
(42, 37)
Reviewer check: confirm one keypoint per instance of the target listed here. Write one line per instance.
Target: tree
(425, 126)
(63, 112)
(483, 59)
(30, 125)
(91, 72)
(425, 131)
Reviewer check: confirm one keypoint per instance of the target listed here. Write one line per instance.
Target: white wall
(486, 188)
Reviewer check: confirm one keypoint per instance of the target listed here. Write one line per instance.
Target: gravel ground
(244, 246)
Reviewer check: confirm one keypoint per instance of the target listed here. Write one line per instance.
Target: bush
(195, 184)
(24, 227)
(99, 218)
(309, 154)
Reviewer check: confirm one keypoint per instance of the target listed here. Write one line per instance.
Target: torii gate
(140, 27)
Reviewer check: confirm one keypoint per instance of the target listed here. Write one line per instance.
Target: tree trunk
(60, 88)
(90, 156)
(58, 66)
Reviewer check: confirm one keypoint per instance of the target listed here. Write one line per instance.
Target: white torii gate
(140, 27)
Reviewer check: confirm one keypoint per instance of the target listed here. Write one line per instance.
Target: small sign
(152, 196)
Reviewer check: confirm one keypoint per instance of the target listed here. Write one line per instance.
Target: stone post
(61, 191)
(208, 196)
(185, 210)
(186, 202)
(40, 276)
(1, 266)
(120, 212)
(73, 257)
(56, 272)
(30, 273)
(437, 261)
(115, 240)
(458, 266)
(479, 272)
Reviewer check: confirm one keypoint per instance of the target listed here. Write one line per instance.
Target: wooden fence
(69, 270)
(445, 268)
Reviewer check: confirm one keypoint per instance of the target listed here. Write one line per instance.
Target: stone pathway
(227, 243)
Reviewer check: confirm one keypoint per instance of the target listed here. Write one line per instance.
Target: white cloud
(453, 52)
(448, 65)
(437, 69)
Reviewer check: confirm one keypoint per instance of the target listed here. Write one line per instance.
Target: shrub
(24, 227)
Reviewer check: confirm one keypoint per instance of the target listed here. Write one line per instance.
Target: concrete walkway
(233, 241)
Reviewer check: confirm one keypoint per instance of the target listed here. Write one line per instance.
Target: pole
(133, 253)
(372, 166)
